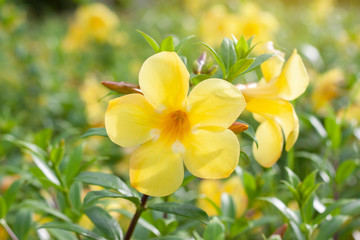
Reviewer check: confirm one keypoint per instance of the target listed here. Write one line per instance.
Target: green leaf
(199, 78)
(153, 44)
(92, 197)
(258, 61)
(95, 132)
(11, 194)
(57, 153)
(237, 68)
(307, 209)
(26, 145)
(22, 223)
(345, 169)
(248, 180)
(75, 195)
(184, 210)
(351, 209)
(167, 44)
(45, 169)
(71, 227)
(145, 224)
(182, 43)
(293, 178)
(328, 229)
(242, 48)
(215, 230)
(73, 165)
(42, 207)
(227, 206)
(287, 212)
(297, 231)
(106, 180)
(217, 58)
(227, 53)
(293, 191)
(329, 209)
(106, 224)
(333, 130)
(3, 208)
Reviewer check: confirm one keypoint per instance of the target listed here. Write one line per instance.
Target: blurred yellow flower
(326, 88)
(90, 92)
(3, 233)
(212, 189)
(351, 113)
(168, 127)
(218, 23)
(269, 99)
(93, 22)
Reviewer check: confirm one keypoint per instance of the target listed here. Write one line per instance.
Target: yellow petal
(271, 68)
(293, 79)
(280, 111)
(164, 80)
(155, 170)
(129, 120)
(270, 143)
(215, 102)
(212, 155)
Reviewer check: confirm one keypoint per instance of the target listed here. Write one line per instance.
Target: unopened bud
(281, 230)
(199, 64)
(238, 127)
(122, 87)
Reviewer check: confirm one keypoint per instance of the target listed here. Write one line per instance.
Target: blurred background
(55, 53)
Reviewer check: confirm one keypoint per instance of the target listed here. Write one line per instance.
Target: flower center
(175, 126)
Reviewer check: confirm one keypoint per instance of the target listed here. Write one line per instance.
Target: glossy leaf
(42, 207)
(71, 227)
(239, 67)
(329, 228)
(257, 62)
(184, 210)
(23, 223)
(73, 165)
(287, 212)
(182, 43)
(167, 44)
(92, 197)
(95, 132)
(106, 224)
(153, 44)
(12, 192)
(242, 48)
(227, 53)
(107, 181)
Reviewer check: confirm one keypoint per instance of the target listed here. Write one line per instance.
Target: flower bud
(238, 127)
(122, 87)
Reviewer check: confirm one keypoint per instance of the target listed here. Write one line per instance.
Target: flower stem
(8, 229)
(136, 217)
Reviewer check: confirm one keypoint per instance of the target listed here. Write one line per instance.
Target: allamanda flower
(92, 22)
(269, 99)
(169, 128)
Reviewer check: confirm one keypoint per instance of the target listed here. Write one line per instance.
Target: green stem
(8, 229)
(136, 217)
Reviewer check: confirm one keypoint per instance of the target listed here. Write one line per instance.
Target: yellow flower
(269, 103)
(218, 23)
(92, 22)
(212, 189)
(170, 127)
(326, 88)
